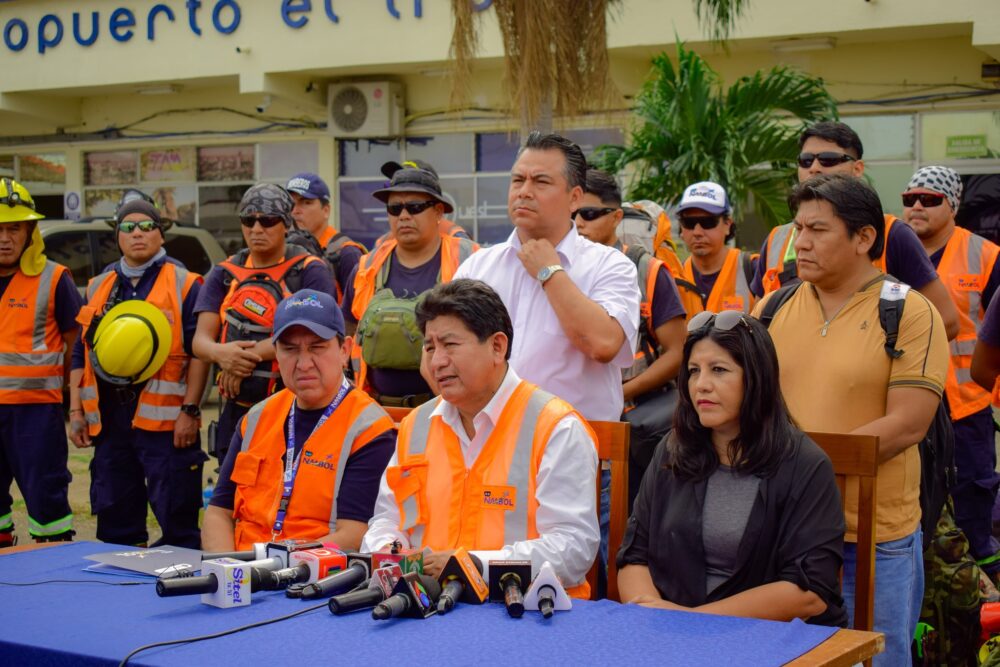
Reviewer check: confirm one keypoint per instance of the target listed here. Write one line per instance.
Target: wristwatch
(191, 410)
(547, 272)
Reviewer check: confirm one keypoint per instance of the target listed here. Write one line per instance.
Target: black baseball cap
(413, 179)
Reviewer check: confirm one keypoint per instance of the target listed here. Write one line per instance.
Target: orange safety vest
(259, 470)
(445, 227)
(31, 347)
(965, 268)
(777, 270)
(161, 399)
(647, 268)
(730, 292)
(444, 505)
(454, 251)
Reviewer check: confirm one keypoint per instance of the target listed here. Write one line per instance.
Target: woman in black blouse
(739, 513)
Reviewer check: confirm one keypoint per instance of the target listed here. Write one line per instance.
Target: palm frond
(720, 16)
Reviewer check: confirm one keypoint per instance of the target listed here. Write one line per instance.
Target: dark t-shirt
(405, 283)
(348, 264)
(358, 485)
(991, 284)
(704, 282)
(666, 303)
(905, 259)
(315, 275)
(990, 331)
(68, 301)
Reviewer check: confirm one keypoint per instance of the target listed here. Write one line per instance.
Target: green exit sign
(966, 145)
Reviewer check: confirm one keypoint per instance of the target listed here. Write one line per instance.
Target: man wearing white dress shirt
(494, 464)
(574, 303)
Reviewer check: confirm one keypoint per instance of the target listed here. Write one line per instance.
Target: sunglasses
(129, 226)
(926, 199)
(266, 221)
(826, 159)
(591, 213)
(706, 222)
(724, 321)
(412, 207)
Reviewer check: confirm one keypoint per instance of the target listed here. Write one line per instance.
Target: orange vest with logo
(965, 268)
(777, 247)
(730, 292)
(161, 399)
(31, 347)
(444, 505)
(259, 469)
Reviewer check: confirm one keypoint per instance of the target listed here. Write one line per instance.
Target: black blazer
(795, 532)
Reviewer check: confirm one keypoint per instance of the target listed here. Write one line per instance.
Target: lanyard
(292, 461)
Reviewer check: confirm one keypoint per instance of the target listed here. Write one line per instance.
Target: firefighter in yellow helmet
(38, 308)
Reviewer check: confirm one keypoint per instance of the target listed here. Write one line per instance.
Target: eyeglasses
(724, 321)
(706, 222)
(266, 221)
(129, 226)
(926, 199)
(412, 207)
(826, 159)
(591, 213)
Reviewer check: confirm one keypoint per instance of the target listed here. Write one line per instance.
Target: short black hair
(604, 186)
(836, 132)
(576, 162)
(472, 301)
(853, 201)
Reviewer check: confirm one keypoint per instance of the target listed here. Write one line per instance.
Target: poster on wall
(167, 164)
(101, 202)
(226, 163)
(42, 171)
(178, 203)
(110, 168)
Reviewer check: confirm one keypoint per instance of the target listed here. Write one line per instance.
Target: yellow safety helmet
(16, 204)
(131, 343)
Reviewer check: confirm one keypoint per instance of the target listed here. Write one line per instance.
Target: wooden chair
(857, 456)
(612, 445)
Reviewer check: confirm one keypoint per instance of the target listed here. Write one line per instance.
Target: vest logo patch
(732, 303)
(254, 307)
(17, 303)
(500, 497)
(326, 463)
(969, 282)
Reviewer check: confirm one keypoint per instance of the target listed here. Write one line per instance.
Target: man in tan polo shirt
(836, 376)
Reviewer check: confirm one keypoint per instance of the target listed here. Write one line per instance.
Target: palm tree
(555, 52)
(689, 129)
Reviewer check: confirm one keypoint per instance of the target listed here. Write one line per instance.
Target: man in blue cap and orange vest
(38, 320)
(135, 388)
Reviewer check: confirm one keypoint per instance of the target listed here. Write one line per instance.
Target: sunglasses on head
(826, 159)
(266, 221)
(926, 199)
(723, 321)
(591, 213)
(412, 207)
(706, 222)
(129, 226)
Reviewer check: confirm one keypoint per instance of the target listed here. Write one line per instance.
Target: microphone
(414, 595)
(508, 578)
(380, 586)
(357, 572)
(409, 560)
(284, 548)
(306, 566)
(547, 593)
(461, 580)
(258, 551)
(224, 583)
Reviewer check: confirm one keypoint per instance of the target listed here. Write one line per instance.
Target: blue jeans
(605, 522)
(899, 593)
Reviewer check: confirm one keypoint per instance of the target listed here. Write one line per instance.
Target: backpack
(248, 311)
(937, 449)
(305, 241)
(388, 331)
(334, 248)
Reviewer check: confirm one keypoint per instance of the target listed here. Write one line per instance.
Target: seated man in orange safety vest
(493, 464)
(305, 463)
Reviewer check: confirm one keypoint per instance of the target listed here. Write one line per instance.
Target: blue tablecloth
(93, 624)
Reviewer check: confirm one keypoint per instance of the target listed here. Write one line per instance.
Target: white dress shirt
(566, 518)
(541, 352)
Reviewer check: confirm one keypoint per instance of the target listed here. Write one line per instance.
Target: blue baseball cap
(316, 311)
(309, 186)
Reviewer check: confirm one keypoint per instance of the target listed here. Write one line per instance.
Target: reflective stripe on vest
(362, 423)
(31, 350)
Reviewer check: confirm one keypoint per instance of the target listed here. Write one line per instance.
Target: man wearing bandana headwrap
(265, 214)
(967, 264)
(38, 320)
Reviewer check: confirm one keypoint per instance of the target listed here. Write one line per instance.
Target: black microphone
(415, 595)
(198, 584)
(546, 600)
(235, 555)
(358, 570)
(380, 586)
(508, 579)
(462, 580)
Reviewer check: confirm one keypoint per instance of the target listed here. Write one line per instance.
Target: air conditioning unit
(365, 109)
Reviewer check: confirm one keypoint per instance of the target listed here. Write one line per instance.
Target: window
(72, 250)
(188, 251)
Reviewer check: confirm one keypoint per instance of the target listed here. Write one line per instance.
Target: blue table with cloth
(97, 624)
